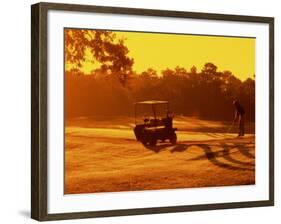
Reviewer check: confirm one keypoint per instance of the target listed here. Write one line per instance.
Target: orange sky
(161, 51)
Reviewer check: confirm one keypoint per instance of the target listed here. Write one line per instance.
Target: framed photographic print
(140, 111)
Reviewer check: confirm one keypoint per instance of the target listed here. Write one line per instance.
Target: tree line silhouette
(113, 87)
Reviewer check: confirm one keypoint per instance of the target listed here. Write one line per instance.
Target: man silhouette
(239, 115)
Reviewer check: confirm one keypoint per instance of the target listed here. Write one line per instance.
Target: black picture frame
(39, 107)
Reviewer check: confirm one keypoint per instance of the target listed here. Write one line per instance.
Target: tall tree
(209, 69)
(106, 49)
(193, 70)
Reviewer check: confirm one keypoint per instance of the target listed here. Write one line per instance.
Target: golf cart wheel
(152, 142)
(173, 139)
(144, 142)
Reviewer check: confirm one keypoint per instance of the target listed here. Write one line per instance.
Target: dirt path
(108, 159)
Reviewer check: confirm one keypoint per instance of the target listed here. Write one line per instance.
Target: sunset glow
(161, 51)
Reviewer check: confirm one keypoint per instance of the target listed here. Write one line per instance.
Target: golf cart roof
(151, 102)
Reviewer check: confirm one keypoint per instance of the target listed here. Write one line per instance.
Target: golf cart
(154, 127)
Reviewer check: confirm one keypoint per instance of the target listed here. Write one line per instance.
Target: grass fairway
(103, 156)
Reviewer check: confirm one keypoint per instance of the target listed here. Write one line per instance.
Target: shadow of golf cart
(153, 126)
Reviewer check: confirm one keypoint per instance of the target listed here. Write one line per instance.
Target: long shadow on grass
(213, 156)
